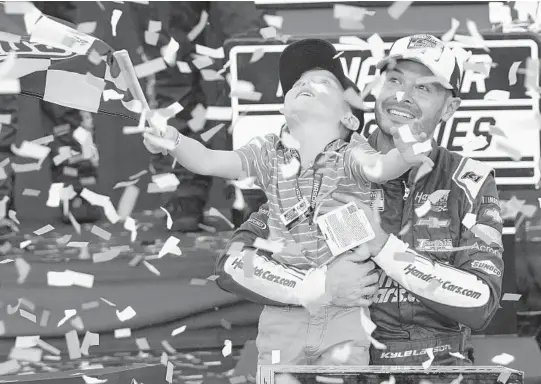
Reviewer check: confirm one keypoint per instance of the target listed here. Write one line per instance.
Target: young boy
(331, 155)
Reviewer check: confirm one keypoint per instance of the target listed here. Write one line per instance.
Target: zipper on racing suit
(406, 190)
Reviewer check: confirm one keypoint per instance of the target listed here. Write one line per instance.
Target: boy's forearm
(393, 165)
(192, 155)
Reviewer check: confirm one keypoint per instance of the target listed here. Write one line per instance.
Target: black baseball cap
(308, 54)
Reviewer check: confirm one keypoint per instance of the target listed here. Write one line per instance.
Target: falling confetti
(397, 9)
(503, 359)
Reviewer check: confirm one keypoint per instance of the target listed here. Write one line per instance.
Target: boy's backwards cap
(443, 61)
(309, 54)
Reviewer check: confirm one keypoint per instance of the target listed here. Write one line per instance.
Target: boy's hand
(156, 142)
(406, 146)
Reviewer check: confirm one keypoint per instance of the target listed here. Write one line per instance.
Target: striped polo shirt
(263, 158)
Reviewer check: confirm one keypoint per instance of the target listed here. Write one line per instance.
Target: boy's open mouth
(305, 93)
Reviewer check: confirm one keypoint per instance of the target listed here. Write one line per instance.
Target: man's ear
(451, 105)
(350, 121)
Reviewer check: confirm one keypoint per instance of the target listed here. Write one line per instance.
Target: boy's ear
(350, 121)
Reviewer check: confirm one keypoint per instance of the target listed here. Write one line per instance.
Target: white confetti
(397, 9)
(448, 36)
(275, 356)
(122, 333)
(511, 297)
(192, 35)
(115, 17)
(226, 350)
(469, 220)
(512, 76)
(354, 40)
(178, 331)
(169, 219)
(93, 380)
(289, 170)
(126, 314)
(428, 363)
(377, 46)
(423, 209)
(503, 359)
(170, 246)
(23, 269)
(497, 95)
(44, 230)
(169, 52)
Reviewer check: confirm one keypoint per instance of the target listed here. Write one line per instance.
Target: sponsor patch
(491, 233)
(258, 223)
(470, 176)
(424, 41)
(438, 200)
(414, 352)
(490, 200)
(434, 245)
(486, 266)
(494, 215)
(390, 291)
(377, 199)
(485, 248)
(266, 274)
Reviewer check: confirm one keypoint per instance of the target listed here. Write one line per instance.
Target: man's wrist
(377, 244)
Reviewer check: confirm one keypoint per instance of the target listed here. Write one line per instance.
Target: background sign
(516, 116)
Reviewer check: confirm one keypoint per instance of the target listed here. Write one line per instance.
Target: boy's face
(318, 94)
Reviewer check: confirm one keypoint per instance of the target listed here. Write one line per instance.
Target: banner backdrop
(515, 116)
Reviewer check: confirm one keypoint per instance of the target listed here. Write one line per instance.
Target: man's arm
(272, 283)
(469, 290)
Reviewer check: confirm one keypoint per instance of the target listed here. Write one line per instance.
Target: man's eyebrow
(398, 70)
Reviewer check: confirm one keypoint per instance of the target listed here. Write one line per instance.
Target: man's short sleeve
(258, 159)
(357, 149)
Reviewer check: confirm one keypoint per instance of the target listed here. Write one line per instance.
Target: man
(76, 171)
(178, 19)
(429, 297)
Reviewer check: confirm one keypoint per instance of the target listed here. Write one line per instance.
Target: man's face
(317, 93)
(403, 100)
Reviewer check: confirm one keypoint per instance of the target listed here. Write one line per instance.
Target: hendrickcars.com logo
(265, 274)
(26, 49)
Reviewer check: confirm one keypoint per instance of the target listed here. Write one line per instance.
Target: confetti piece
(87, 27)
(9, 366)
(93, 380)
(423, 209)
(497, 95)
(404, 256)
(26, 341)
(151, 38)
(496, 131)
(428, 363)
(511, 297)
(423, 147)
(169, 52)
(150, 67)
(448, 36)
(122, 333)
(215, 53)
(192, 35)
(151, 268)
(405, 134)
(108, 302)
(210, 75)
(63, 240)
(168, 347)
(100, 232)
(376, 46)
(126, 314)
(474, 143)
(206, 136)
(183, 67)
(9, 87)
(504, 377)
(213, 212)
(26, 354)
(115, 17)
(397, 9)
(268, 32)
(169, 219)
(422, 171)
(503, 359)
(74, 348)
(170, 246)
(142, 344)
(90, 305)
(23, 269)
(268, 245)
(509, 149)
(31, 192)
(367, 323)
(274, 21)
(226, 350)
(225, 324)
(289, 141)
(257, 55)
(25, 244)
(457, 355)
(48, 347)
(27, 315)
(512, 76)
(105, 256)
(291, 169)
(68, 314)
(169, 372)
(31, 150)
(77, 244)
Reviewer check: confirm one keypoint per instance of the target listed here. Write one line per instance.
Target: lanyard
(316, 186)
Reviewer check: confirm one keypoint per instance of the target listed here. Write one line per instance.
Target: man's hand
(375, 245)
(406, 148)
(352, 279)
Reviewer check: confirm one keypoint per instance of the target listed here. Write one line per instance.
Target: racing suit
(75, 170)
(178, 18)
(412, 312)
